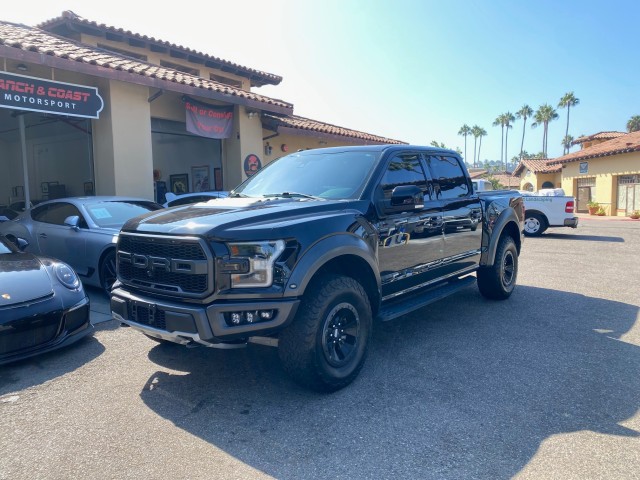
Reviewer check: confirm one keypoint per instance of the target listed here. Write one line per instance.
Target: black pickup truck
(311, 250)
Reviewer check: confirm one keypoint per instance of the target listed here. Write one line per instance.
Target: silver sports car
(81, 231)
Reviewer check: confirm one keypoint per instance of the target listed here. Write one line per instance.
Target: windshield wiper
(238, 195)
(292, 195)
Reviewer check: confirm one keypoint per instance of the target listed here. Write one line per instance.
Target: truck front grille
(170, 265)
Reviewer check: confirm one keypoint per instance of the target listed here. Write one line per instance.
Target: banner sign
(20, 92)
(208, 121)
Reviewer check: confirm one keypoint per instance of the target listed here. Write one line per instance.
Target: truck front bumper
(571, 222)
(208, 325)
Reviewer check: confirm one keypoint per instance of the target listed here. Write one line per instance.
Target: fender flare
(324, 251)
(507, 217)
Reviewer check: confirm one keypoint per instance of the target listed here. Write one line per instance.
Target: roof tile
(597, 136)
(307, 124)
(625, 143)
(29, 38)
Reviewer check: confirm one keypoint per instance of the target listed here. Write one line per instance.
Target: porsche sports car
(42, 304)
(81, 231)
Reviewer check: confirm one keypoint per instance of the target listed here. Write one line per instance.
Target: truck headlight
(67, 276)
(251, 263)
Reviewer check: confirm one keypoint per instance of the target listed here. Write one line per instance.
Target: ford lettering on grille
(163, 265)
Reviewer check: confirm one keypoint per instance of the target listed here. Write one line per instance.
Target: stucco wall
(605, 170)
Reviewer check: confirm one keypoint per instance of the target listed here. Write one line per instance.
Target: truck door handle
(43, 235)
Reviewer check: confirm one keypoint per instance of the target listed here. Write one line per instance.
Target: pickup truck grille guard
(176, 266)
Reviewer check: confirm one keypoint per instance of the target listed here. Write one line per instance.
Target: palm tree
(500, 121)
(568, 100)
(481, 133)
(633, 125)
(508, 120)
(566, 143)
(525, 112)
(543, 116)
(464, 131)
(475, 131)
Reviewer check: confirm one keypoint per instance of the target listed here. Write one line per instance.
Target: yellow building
(536, 173)
(87, 108)
(606, 172)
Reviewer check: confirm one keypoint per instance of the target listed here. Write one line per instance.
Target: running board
(402, 307)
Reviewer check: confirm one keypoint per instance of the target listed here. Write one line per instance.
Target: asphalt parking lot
(544, 385)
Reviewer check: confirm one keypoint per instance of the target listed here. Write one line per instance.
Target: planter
(593, 210)
(635, 217)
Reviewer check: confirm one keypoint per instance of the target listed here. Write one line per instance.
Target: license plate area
(146, 314)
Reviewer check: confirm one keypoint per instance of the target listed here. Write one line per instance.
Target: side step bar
(402, 307)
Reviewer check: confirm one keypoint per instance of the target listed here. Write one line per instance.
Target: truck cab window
(448, 177)
(403, 170)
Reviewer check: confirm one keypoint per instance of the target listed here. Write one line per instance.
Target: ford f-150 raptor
(307, 253)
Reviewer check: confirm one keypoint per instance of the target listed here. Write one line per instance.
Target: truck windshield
(335, 175)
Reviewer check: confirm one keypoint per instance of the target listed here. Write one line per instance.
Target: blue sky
(411, 70)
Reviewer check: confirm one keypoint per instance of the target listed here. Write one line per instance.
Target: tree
(525, 112)
(543, 116)
(508, 120)
(499, 121)
(481, 133)
(567, 101)
(464, 131)
(566, 143)
(475, 131)
(633, 125)
(434, 143)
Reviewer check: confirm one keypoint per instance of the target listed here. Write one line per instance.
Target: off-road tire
(333, 320)
(498, 281)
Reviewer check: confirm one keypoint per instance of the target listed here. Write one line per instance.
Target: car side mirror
(21, 243)
(72, 221)
(405, 198)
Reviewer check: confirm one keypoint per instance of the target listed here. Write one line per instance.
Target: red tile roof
(625, 143)
(33, 45)
(597, 136)
(507, 181)
(537, 165)
(71, 22)
(296, 125)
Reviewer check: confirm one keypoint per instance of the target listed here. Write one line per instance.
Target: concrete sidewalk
(596, 218)
(100, 307)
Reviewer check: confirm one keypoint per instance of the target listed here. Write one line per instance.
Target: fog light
(266, 314)
(251, 317)
(236, 318)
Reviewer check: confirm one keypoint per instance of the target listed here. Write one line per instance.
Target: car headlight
(251, 263)
(67, 276)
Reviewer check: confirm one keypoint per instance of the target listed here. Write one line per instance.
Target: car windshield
(331, 175)
(114, 214)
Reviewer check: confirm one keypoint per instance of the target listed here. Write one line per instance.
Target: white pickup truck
(544, 209)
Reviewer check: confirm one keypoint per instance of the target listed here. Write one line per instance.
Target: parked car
(311, 249)
(174, 200)
(81, 231)
(43, 306)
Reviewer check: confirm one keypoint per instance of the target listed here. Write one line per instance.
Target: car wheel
(108, 271)
(534, 225)
(326, 345)
(498, 281)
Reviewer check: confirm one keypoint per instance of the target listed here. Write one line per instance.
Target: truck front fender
(346, 249)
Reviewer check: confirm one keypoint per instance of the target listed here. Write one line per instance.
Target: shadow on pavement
(442, 395)
(588, 238)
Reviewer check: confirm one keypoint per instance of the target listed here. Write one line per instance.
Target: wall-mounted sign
(20, 92)
(584, 167)
(252, 164)
(208, 121)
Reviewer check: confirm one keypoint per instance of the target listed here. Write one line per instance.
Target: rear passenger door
(462, 212)
(410, 243)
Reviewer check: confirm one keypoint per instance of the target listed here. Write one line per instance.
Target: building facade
(87, 108)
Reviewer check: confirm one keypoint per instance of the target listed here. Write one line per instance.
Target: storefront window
(58, 154)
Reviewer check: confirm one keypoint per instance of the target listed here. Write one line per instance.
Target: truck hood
(228, 218)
